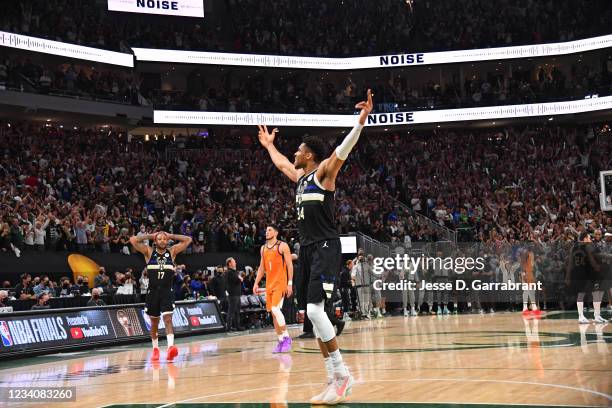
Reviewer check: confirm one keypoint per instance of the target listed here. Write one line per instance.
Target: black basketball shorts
(320, 265)
(159, 302)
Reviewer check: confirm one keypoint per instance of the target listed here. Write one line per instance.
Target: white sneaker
(406, 313)
(346, 317)
(583, 320)
(599, 319)
(320, 398)
(413, 312)
(341, 389)
(379, 315)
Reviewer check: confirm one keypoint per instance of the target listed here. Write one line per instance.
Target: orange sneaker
(172, 352)
(155, 356)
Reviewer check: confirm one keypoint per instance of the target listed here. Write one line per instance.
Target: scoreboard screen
(185, 8)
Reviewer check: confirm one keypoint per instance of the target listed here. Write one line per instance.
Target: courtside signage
(24, 42)
(186, 8)
(383, 119)
(395, 60)
(34, 332)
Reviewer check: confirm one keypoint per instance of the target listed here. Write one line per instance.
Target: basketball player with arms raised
(277, 264)
(320, 251)
(160, 299)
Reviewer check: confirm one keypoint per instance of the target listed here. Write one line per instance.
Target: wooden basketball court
(495, 360)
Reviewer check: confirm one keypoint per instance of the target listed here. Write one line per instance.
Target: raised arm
(280, 161)
(144, 249)
(329, 168)
(183, 242)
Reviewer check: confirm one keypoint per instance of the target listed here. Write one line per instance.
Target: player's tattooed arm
(183, 243)
(144, 249)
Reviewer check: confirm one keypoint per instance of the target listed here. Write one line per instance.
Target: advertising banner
(380, 61)
(25, 332)
(383, 119)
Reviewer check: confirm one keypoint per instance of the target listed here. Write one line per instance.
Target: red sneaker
(537, 313)
(172, 352)
(526, 312)
(155, 356)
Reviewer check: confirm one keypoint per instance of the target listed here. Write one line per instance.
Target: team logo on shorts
(5, 333)
(167, 255)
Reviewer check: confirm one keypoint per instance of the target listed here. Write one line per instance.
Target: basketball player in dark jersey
(583, 275)
(320, 252)
(160, 267)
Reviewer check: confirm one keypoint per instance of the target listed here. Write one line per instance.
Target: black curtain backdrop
(55, 264)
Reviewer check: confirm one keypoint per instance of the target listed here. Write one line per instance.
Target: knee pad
(320, 322)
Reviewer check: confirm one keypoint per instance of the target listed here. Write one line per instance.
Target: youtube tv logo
(76, 332)
(195, 321)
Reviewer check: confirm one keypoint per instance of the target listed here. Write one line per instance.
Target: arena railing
(444, 233)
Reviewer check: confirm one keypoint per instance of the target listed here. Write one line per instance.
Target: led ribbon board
(396, 60)
(24, 42)
(383, 119)
(185, 8)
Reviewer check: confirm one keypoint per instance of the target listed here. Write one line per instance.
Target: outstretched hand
(366, 108)
(266, 138)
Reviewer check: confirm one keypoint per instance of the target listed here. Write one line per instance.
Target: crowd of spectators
(187, 285)
(246, 90)
(307, 93)
(337, 28)
(80, 80)
(513, 184)
(66, 189)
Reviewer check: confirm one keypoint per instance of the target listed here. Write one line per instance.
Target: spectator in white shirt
(40, 233)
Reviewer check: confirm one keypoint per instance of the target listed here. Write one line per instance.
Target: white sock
(580, 306)
(329, 367)
(384, 310)
(597, 307)
(280, 337)
(170, 338)
(285, 333)
(155, 342)
(339, 367)
(525, 306)
(534, 306)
